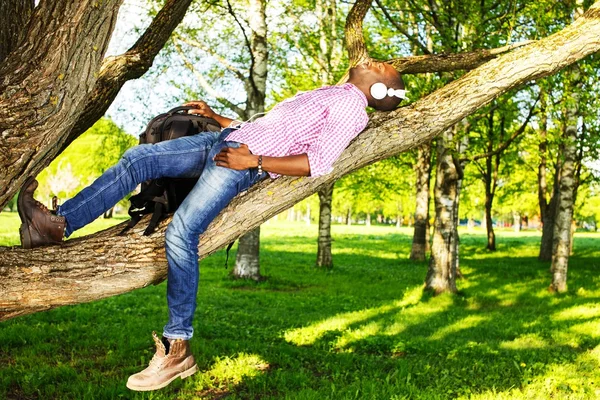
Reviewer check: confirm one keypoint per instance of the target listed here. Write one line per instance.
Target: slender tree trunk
(564, 211)
(547, 208)
(324, 258)
(326, 11)
(546, 244)
(462, 146)
(441, 275)
(349, 216)
(490, 179)
(247, 261)
(420, 235)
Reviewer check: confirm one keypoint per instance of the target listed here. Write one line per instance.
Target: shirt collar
(351, 87)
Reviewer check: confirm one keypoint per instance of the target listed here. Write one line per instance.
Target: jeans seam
(102, 189)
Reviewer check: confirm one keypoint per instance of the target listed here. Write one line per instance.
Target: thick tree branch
(450, 62)
(353, 33)
(57, 84)
(46, 81)
(101, 265)
(14, 17)
(117, 70)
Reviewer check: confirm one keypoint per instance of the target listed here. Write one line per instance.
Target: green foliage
(99, 148)
(363, 330)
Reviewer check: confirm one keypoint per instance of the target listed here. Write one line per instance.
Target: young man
(301, 136)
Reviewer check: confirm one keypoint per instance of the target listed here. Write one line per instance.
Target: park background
(360, 325)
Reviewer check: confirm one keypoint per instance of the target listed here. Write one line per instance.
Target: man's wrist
(253, 161)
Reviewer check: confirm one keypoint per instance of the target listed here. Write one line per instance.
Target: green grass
(363, 330)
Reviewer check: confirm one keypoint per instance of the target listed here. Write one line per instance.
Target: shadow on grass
(362, 330)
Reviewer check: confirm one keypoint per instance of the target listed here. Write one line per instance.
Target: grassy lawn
(363, 330)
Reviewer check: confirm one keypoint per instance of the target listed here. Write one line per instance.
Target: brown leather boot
(165, 366)
(39, 226)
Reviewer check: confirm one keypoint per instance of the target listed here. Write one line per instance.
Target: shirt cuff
(316, 165)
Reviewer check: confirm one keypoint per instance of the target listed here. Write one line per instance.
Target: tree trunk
(567, 187)
(324, 258)
(441, 274)
(547, 208)
(420, 235)
(56, 84)
(349, 216)
(247, 261)
(547, 240)
(14, 17)
(103, 265)
(491, 236)
(490, 180)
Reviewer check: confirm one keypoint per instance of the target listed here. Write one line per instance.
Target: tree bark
(327, 16)
(490, 179)
(56, 84)
(324, 258)
(567, 187)
(247, 260)
(441, 274)
(44, 83)
(420, 235)
(547, 208)
(14, 17)
(103, 265)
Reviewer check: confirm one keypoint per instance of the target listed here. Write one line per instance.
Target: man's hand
(239, 158)
(201, 108)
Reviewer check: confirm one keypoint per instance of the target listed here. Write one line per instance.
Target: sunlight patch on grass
(590, 328)
(529, 341)
(363, 332)
(465, 323)
(578, 312)
(558, 380)
(310, 334)
(228, 372)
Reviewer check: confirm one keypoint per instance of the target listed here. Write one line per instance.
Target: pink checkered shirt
(320, 123)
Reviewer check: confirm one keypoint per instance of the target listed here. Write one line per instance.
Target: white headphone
(380, 91)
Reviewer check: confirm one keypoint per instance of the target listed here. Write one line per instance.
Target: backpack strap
(229, 246)
(157, 215)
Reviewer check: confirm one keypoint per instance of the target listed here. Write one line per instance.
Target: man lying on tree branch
(301, 136)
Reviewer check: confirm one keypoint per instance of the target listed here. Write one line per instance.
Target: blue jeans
(186, 157)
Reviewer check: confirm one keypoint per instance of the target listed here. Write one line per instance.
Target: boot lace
(41, 206)
(156, 362)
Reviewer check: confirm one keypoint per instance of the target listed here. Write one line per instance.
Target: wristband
(260, 171)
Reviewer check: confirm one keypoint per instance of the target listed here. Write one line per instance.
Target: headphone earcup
(378, 91)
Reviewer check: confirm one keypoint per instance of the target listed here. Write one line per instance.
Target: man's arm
(241, 158)
(203, 109)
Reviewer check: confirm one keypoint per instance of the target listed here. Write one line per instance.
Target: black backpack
(162, 196)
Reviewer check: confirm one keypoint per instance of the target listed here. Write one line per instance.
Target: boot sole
(24, 229)
(182, 375)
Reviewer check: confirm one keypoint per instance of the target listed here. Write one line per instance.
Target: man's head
(363, 76)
